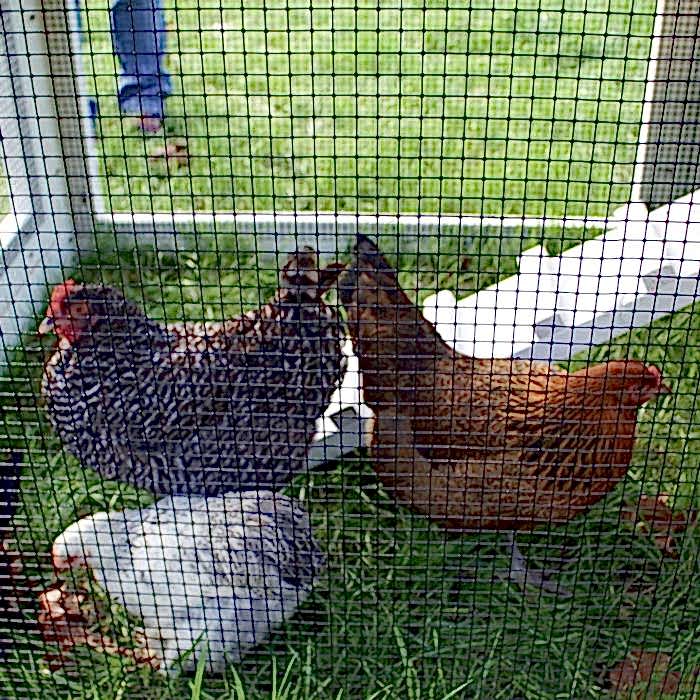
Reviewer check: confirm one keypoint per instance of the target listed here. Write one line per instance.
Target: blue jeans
(138, 37)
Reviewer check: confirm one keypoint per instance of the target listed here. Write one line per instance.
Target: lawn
(432, 107)
(402, 612)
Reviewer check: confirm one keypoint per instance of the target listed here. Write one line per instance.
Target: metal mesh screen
(472, 108)
(349, 350)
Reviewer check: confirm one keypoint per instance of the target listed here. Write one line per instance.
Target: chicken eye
(79, 310)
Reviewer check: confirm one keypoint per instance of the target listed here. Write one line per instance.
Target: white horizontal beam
(644, 267)
(281, 232)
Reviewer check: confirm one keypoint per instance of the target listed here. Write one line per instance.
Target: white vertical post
(51, 220)
(55, 83)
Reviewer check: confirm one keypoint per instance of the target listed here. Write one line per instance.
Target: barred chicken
(194, 408)
(485, 444)
(207, 575)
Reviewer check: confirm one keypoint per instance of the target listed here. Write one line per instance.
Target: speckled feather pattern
(199, 407)
(225, 571)
(481, 444)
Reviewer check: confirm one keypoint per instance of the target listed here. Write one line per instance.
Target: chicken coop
(349, 349)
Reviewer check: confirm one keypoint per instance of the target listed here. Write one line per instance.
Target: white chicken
(218, 573)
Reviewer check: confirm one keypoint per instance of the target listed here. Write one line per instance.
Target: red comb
(60, 292)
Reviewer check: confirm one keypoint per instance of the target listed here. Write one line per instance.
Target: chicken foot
(523, 574)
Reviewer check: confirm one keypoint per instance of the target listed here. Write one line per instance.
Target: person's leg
(138, 36)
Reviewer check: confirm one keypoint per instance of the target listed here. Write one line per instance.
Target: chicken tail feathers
(391, 338)
(377, 306)
(299, 557)
(371, 257)
(302, 278)
(371, 282)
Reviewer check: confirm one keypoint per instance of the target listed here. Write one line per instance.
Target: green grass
(431, 107)
(402, 611)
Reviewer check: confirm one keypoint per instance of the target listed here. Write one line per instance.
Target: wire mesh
(262, 533)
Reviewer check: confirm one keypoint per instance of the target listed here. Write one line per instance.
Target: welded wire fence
(350, 350)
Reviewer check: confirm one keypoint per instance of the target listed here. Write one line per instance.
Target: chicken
(194, 408)
(206, 574)
(485, 444)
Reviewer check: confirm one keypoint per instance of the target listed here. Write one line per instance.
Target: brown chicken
(485, 444)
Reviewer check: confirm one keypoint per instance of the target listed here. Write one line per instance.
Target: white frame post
(50, 222)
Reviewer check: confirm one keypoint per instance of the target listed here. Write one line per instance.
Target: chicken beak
(46, 326)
